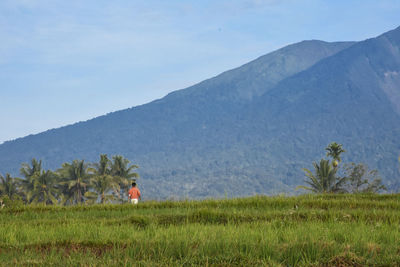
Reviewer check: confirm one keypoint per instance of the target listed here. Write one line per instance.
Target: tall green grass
(318, 230)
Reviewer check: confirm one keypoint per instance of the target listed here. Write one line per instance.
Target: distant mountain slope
(352, 96)
(255, 78)
(249, 130)
(153, 126)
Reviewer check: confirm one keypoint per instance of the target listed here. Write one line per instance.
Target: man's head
(133, 184)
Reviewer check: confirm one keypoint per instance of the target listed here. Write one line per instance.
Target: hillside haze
(249, 130)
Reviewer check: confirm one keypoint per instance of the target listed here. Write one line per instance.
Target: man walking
(134, 194)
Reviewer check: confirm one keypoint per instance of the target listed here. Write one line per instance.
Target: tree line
(74, 183)
(109, 180)
(330, 177)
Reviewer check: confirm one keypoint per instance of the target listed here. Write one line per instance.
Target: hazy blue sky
(68, 61)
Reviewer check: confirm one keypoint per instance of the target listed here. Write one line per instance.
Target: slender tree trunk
(79, 192)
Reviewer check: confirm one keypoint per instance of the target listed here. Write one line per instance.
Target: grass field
(329, 230)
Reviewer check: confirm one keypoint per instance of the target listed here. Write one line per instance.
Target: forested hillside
(249, 130)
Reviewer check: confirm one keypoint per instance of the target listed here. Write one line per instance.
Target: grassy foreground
(330, 230)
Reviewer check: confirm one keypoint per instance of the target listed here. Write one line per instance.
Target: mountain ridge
(253, 127)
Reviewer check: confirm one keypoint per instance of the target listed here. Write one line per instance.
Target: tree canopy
(325, 178)
(76, 182)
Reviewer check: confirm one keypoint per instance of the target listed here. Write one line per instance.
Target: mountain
(352, 97)
(249, 130)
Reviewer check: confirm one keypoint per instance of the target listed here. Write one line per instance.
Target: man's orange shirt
(134, 193)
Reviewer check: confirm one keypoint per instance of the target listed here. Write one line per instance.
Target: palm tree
(44, 188)
(103, 167)
(123, 174)
(324, 179)
(102, 185)
(102, 181)
(75, 179)
(9, 186)
(29, 172)
(334, 151)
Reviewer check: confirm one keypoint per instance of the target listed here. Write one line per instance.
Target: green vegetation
(324, 180)
(357, 178)
(334, 150)
(74, 183)
(46, 219)
(362, 180)
(8, 186)
(317, 230)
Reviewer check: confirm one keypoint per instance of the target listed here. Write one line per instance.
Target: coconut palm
(29, 172)
(102, 185)
(102, 181)
(44, 188)
(334, 151)
(102, 168)
(123, 174)
(324, 179)
(9, 186)
(75, 179)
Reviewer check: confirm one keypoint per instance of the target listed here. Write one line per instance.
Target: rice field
(308, 230)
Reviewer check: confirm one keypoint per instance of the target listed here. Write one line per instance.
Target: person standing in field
(134, 194)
